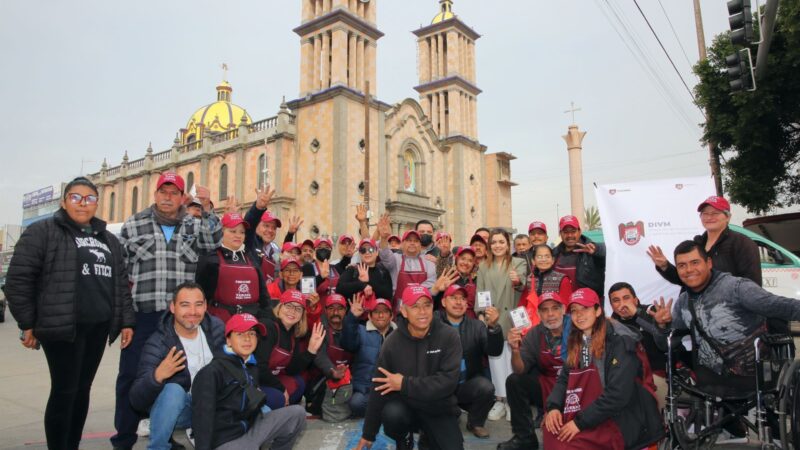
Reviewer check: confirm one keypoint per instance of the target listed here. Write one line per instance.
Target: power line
(674, 33)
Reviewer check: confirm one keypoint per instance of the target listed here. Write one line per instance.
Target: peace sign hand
(589, 248)
(317, 335)
(263, 196)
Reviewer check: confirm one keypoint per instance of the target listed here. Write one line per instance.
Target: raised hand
(361, 212)
(357, 305)
(661, 312)
(448, 277)
(589, 248)
(263, 196)
(294, 224)
(204, 195)
(363, 272)
(391, 382)
(514, 338)
(317, 335)
(172, 364)
(313, 299)
(231, 204)
(385, 227)
(492, 315)
(444, 245)
(657, 255)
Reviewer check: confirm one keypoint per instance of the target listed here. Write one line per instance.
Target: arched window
(409, 171)
(263, 171)
(189, 181)
(112, 203)
(223, 182)
(135, 200)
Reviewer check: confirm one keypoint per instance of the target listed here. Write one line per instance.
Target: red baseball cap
(269, 217)
(293, 296)
(536, 225)
(243, 322)
(394, 236)
(171, 178)
(453, 288)
(308, 242)
(465, 249)
(370, 242)
(288, 246)
(568, 221)
(584, 297)
(286, 261)
(345, 237)
(413, 292)
(335, 299)
(441, 235)
(477, 237)
(409, 233)
(320, 241)
(232, 220)
(379, 301)
(547, 296)
(715, 202)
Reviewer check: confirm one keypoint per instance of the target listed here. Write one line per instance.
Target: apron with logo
(406, 277)
(237, 289)
(583, 388)
(279, 360)
(550, 365)
(471, 288)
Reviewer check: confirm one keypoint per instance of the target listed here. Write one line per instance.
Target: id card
(308, 285)
(520, 318)
(483, 300)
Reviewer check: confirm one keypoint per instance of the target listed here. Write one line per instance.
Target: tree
(591, 218)
(757, 132)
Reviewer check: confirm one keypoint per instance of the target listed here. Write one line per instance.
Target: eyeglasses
(295, 308)
(76, 199)
(543, 257)
(364, 250)
(708, 214)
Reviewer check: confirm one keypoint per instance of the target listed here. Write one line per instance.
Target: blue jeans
(172, 409)
(358, 404)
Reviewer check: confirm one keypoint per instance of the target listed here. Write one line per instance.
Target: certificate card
(519, 316)
(308, 285)
(483, 300)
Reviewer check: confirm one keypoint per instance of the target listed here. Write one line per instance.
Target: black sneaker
(406, 443)
(518, 443)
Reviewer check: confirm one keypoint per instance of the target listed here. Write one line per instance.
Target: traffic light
(740, 71)
(741, 22)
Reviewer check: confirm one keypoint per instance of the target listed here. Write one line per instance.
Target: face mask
(426, 240)
(323, 254)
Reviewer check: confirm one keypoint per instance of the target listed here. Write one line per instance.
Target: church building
(424, 157)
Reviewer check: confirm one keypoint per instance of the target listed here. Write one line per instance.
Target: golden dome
(446, 13)
(216, 117)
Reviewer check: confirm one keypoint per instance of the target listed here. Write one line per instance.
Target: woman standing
(504, 277)
(233, 282)
(544, 279)
(598, 402)
(67, 287)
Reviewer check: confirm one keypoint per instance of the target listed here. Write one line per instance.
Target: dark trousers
(442, 431)
(476, 396)
(523, 391)
(126, 419)
(73, 366)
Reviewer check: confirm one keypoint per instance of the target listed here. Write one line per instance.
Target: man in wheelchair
(726, 317)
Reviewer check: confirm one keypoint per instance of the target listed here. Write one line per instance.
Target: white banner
(639, 214)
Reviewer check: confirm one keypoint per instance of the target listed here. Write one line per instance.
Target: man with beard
(629, 312)
(407, 268)
(536, 361)
(429, 249)
(335, 362)
(163, 245)
(186, 340)
(577, 257)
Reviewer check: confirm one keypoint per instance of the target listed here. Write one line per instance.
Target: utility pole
(366, 144)
(713, 155)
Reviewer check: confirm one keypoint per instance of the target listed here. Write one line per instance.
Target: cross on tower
(224, 72)
(572, 109)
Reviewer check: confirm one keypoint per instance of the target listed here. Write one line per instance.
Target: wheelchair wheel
(790, 406)
(686, 439)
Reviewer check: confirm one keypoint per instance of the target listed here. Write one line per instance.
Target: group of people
(226, 332)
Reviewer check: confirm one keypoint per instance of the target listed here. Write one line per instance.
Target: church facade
(424, 157)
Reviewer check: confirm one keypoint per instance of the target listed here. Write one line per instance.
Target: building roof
(446, 12)
(219, 116)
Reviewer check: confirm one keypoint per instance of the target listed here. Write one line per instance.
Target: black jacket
(623, 400)
(217, 399)
(644, 324)
(145, 388)
(285, 339)
(42, 278)
(733, 252)
(591, 269)
(430, 366)
(477, 341)
(379, 279)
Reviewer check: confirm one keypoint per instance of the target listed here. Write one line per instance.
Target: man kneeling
(228, 410)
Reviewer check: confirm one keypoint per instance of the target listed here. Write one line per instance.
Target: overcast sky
(83, 81)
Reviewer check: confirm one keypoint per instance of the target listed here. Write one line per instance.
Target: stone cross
(572, 110)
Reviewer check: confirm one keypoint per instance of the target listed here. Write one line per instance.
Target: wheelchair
(695, 417)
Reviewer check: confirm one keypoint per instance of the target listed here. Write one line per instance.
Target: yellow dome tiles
(446, 13)
(216, 117)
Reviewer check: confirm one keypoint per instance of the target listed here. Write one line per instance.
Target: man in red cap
(185, 341)
(537, 232)
(475, 392)
(579, 258)
(418, 372)
(229, 410)
(163, 244)
(365, 341)
(395, 243)
(536, 360)
(327, 276)
(290, 276)
(410, 267)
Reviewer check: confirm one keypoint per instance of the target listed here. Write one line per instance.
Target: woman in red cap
(598, 402)
(462, 274)
(281, 354)
(368, 276)
(544, 278)
(232, 281)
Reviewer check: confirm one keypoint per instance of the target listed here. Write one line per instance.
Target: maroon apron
(406, 277)
(268, 268)
(549, 367)
(336, 354)
(279, 360)
(237, 286)
(583, 388)
(328, 286)
(471, 288)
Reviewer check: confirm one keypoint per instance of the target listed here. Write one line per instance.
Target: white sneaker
(144, 428)
(498, 411)
(190, 436)
(508, 413)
